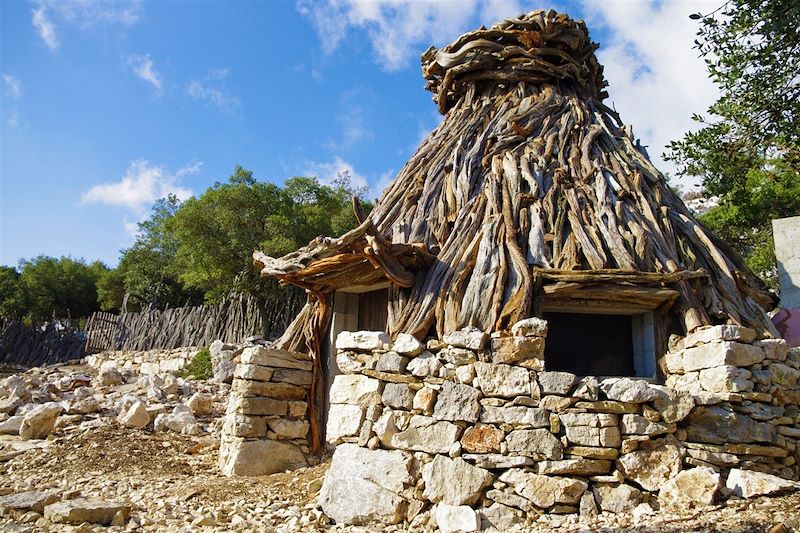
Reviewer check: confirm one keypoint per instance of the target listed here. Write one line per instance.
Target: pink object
(787, 321)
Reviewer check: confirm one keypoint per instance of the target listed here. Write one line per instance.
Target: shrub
(199, 367)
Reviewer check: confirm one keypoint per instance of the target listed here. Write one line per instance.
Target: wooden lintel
(617, 276)
(630, 297)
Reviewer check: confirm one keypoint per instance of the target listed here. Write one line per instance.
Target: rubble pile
(471, 432)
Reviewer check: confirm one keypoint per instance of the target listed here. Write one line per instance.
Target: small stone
(783, 375)
(80, 510)
(424, 400)
(406, 344)
(516, 415)
(530, 327)
(617, 499)
(630, 390)
(534, 443)
(241, 457)
(470, 338)
(774, 349)
(481, 438)
(457, 402)
(579, 466)
(398, 396)
(424, 365)
(503, 381)
(749, 483)
(500, 517)
(523, 351)
(39, 421)
(588, 506)
(136, 416)
(34, 500)
(392, 362)
(289, 429)
(200, 403)
(355, 389)
(454, 481)
(689, 489)
(588, 389)
(452, 518)
(545, 491)
(180, 420)
(559, 383)
(724, 332)
(721, 353)
(673, 405)
(654, 463)
(109, 377)
(716, 425)
(364, 341)
(726, 378)
(639, 425)
(344, 420)
(425, 434)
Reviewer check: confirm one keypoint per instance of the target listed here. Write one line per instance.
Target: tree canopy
(747, 149)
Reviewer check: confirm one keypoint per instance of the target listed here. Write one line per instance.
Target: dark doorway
(373, 310)
(589, 345)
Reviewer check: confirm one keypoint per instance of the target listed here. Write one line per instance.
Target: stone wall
(472, 432)
(266, 426)
(152, 362)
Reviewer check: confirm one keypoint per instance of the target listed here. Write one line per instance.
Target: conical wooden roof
(530, 189)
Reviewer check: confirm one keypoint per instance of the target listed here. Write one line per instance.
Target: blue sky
(107, 106)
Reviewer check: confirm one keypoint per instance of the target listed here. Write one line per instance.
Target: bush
(199, 367)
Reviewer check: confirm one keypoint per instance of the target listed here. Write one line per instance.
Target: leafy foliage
(199, 367)
(64, 286)
(13, 300)
(747, 150)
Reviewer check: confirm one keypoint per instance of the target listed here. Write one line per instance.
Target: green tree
(111, 290)
(64, 286)
(13, 300)
(747, 150)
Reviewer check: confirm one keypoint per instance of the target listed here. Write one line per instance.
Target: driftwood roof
(529, 189)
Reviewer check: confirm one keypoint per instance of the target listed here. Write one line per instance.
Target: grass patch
(199, 367)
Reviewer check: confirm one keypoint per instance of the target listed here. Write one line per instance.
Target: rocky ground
(168, 480)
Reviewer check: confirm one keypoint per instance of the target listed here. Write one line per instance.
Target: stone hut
(529, 321)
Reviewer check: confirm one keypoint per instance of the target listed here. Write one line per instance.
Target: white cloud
(45, 27)
(326, 173)
(142, 184)
(81, 14)
(144, 67)
(212, 90)
(12, 87)
(656, 79)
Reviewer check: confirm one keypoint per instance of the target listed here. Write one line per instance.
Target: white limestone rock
(516, 415)
(457, 402)
(470, 338)
(639, 425)
(556, 382)
(392, 362)
(724, 332)
(726, 378)
(503, 381)
(424, 365)
(425, 434)
(454, 481)
(289, 429)
(364, 486)
(201, 403)
(136, 416)
(545, 491)
(356, 389)
(180, 420)
(673, 405)
(242, 457)
(588, 389)
(530, 327)
(774, 349)
(91, 510)
(630, 390)
(362, 341)
(398, 396)
(720, 353)
(344, 420)
(453, 518)
(11, 425)
(406, 344)
(749, 483)
(539, 443)
(39, 421)
(696, 487)
(617, 499)
(654, 463)
(783, 375)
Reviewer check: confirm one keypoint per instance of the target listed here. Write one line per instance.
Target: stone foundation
(473, 432)
(152, 362)
(266, 426)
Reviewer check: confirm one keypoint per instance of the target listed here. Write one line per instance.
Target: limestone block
(253, 372)
(726, 378)
(270, 389)
(457, 402)
(289, 429)
(425, 434)
(201, 403)
(588, 389)
(689, 489)
(500, 517)
(556, 382)
(688, 383)
(424, 400)
(356, 389)
(257, 406)
(458, 356)
(534, 443)
(11, 425)
(363, 486)
(301, 378)
(503, 381)
(545, 491)
(530, 327)
(273, 357)
(238, 425)
(453, 518)
(749, 483)
(424, 365)
(91, 510)
(39, 421)
(398, 396)
(406, 344)
(34, 500)
(639, 425)
(392, 362)
(654, 463)
(617, 498)
(725, 332)
(516, 416)
(344, 420)
(783, 375)
(481, 438)
(241, 457)
(136, 416)
(454, 481)
(579, 466)
(362, 341)
(774, 349)
(352, 362)
(629, 390)
(716, 425)
(720, 353)
(469, 337)
(529, 350)
(673, 405)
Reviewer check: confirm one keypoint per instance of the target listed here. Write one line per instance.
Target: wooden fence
(232, 320)
(28, 346)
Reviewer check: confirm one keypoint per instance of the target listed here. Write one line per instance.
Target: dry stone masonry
(473, 432)
(266, 426)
